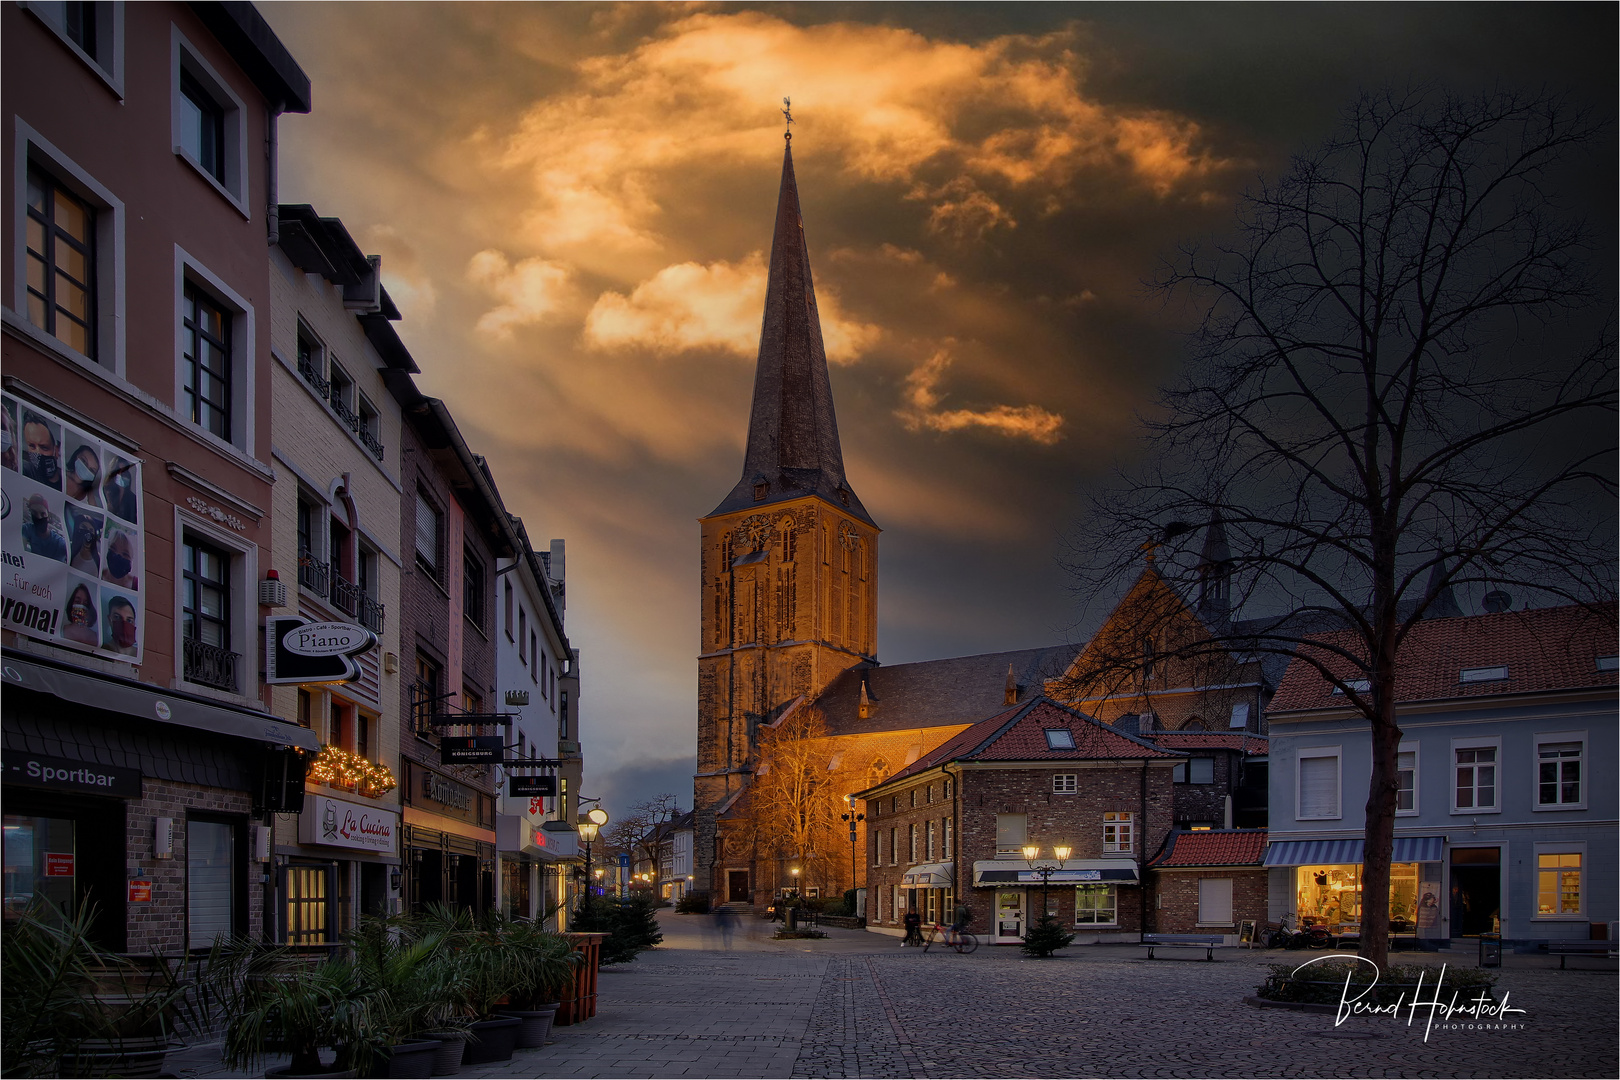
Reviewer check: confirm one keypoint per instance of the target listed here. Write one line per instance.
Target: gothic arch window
(725, 553)
(878, 770)
(1194, 724)
(789, 540)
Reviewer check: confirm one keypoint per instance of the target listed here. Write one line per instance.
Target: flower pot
(536, 1025)
(116, 1057)
(447, 1058)
(410, 1060)
(491, 1040)
(286, 1073)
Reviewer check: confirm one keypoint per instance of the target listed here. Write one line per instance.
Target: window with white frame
(929, 847)
(949, 828)
(1095, 905)
(1317, 796)
(209, 124)
(94, 32)
(1559, 758)
(1406, 773)
(1559, 891)
(877, 847)
(1064, 784)
(911, 830)
(1474, 772)
(894, 848)
(1214, 901)
(1119, 832)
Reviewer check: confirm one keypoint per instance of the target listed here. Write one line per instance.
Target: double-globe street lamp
(1032, 853)
(854, 819)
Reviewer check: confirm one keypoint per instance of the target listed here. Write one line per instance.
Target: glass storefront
(1332, 894)
(40, 863)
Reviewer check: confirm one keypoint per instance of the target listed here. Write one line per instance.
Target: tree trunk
(1383, 794)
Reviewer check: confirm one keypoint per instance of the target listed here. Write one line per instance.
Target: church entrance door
(737, 887)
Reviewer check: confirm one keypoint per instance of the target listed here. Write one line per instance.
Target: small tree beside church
(796, 796)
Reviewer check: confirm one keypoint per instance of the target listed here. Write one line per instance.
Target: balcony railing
(345, 594)
(210, 665)
(371, 614)
(350, 418)
(370, 441)
(313, 377)
(313, 574)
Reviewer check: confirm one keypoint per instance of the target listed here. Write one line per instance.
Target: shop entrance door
(1476, 891)
(737, 887)
(1009, 916)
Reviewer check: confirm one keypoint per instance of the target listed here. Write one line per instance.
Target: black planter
(536, 1025)
(447, 1058)
(492, 1040)
(286, 1073)
(411, 1060)
(117, 1057)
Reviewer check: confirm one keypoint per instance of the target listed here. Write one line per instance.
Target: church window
(826, 544)
(789, 540)
(725, 552)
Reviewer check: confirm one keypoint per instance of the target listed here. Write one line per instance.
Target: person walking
(913, 923)
(726, 922)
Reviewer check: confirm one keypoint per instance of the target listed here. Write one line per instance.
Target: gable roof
(1211, 847)
(1018, 734)
(1544, 649)
(934, 693)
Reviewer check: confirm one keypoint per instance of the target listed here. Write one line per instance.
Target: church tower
(789, 557)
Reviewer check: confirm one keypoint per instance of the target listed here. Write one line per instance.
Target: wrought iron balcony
(346, 594)
(350, 418)
(313, 574)
(313, 377)
(210, 665)
(370, 442)
(371, 614)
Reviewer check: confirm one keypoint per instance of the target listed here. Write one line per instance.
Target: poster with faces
(71, 533)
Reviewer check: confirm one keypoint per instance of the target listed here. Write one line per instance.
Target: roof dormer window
(1482, 674)
(1059, 739)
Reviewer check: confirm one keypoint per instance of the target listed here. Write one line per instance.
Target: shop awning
(934, 875)
(159, 706)
(993, 872)
(1408, 849)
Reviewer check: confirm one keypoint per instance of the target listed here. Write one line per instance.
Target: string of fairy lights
(338, 767)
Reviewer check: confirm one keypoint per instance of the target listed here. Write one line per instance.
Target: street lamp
(853, 818)
(590, 826)
(1046, 869)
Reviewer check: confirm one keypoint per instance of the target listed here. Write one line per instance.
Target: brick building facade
(1209, 882)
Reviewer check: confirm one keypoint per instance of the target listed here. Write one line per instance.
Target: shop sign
(140, 892)
(337, 823)
(436, 788)
(70, 508)
(525, 786)
(471, 749)
(58, 864)
(63, 774)
(298, 650)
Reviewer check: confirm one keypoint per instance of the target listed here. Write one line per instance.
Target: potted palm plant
(278, 1003)
(411, 983)
(488, 973)
(544, 962)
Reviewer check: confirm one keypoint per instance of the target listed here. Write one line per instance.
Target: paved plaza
(855, 1004)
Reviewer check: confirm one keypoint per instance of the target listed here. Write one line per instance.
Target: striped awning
(938, 875)
(1408, 849)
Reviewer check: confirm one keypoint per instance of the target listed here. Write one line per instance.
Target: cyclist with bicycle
(964, 916)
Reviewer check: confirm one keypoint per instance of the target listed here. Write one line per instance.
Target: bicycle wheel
(966, 942)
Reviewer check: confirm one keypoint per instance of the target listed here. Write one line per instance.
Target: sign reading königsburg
(470, 749)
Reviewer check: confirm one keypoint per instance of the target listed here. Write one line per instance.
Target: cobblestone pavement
(856, 1005)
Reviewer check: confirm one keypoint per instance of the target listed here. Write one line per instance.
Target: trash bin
(792, 919)
(1490, 950)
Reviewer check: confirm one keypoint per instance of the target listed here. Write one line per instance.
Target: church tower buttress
(788, 559)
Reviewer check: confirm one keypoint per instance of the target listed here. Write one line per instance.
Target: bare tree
(1402, 385)
(796, 797)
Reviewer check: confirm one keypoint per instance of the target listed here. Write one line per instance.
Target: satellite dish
(1496, 601)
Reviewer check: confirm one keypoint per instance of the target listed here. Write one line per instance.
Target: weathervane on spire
(788, 112)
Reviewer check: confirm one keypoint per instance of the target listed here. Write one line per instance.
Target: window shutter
(1215, 901)
(1319, 787)
(427, 531)
(1202, 770)
(1011, 830)
(209, 851)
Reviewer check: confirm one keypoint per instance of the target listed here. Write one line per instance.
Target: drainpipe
(1142, 887)
(962, 886)
(272, 212)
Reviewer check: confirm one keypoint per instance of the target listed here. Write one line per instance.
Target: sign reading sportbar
(337, 823)
(300, 651)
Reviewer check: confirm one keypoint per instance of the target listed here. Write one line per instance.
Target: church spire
(793, 447)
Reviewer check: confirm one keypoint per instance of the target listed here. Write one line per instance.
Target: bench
(1208, 942)
(1566, 949)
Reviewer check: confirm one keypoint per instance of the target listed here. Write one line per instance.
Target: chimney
(1011, 695)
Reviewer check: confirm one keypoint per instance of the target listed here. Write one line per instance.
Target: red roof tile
(1545, 649)
(1212, 847)
(1018, 734)
(1209, 740)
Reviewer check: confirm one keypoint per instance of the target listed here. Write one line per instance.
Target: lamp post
(1046, 869)
(853, 818)
(590, 826)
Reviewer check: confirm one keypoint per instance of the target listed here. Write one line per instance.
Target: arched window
(1194, 724)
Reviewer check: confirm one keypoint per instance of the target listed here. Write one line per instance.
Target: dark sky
(571, 202)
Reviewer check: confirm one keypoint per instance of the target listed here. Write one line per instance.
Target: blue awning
(1408, 849)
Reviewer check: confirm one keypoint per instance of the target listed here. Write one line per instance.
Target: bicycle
(960, 940)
